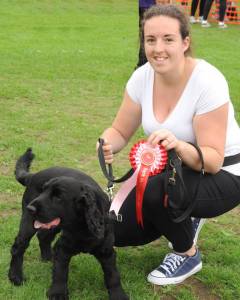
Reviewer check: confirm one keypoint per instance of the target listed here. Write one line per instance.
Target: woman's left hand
(165, 137)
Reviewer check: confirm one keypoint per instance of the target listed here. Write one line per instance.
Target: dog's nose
(32, 209)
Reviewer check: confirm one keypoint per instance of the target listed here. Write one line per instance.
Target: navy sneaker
(175, 268)
(197, 224)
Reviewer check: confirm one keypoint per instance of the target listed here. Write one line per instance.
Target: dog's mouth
(52, 224)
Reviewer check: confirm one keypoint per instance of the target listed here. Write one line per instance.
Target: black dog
(68, 200)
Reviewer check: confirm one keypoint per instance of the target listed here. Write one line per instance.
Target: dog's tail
(22, 167)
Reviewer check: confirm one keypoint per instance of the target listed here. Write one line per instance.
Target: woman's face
(163, 44)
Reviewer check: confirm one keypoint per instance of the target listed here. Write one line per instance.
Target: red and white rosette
(147, 161)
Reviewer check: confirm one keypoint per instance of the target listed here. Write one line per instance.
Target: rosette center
(148, 157)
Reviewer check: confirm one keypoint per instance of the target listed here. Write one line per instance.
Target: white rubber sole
(173, 280)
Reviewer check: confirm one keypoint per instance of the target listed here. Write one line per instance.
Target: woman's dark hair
(171, 11)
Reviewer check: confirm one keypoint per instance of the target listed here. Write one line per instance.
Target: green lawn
(64, 66)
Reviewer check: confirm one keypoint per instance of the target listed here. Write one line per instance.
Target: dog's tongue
(53, 223)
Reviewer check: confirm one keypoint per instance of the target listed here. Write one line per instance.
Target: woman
(177, 99)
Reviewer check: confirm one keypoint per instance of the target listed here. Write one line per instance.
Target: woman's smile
(160, 59)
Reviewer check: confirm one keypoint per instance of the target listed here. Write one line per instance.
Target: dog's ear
(94, 217)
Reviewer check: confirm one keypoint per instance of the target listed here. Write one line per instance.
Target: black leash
(108, 171)
(175, 165)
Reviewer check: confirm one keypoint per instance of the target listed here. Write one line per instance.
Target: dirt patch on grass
(5, 169)
(197, 288)
(8, 198)
(9, 212)
(13, 209)
(200, 290)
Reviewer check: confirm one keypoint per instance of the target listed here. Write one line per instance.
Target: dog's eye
(56, 191)
(56, 194)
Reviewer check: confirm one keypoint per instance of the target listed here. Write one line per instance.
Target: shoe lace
(171, 262)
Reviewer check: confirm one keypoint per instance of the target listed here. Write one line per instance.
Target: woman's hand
(165, 137)
(107, 152)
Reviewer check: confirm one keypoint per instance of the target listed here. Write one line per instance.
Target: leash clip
(119, 218)
(110, 192)
(172, 179)
(115, 217)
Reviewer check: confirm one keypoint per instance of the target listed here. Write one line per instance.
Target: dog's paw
(117, 294)
(57, 294)
(16, 279)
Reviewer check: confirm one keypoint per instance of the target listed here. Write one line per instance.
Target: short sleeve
(133, 86)
(215, 92)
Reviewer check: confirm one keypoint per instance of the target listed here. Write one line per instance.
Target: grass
(64, 66)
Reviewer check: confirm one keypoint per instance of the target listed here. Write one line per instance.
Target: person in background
(178, 100)
(222, 12)
(194, 6)
(143, 5)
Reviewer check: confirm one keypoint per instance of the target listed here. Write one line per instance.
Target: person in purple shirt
(143, 5)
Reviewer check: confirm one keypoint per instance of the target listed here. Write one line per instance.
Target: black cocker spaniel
(67, 200)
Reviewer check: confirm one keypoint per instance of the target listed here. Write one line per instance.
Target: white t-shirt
(205, 91)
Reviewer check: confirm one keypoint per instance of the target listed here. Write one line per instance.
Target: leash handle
(200, 156)
(108, 171)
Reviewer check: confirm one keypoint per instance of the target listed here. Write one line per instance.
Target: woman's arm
(210, 130)
(124, 126)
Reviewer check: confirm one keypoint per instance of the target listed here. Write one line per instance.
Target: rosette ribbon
(147, 161)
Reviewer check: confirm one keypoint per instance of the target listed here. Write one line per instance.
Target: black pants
(222, 9)
(217, 194)
(141, 55)
(194, 7)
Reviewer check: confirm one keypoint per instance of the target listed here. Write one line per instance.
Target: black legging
(222, 9)
(194, 6)
(217, 194)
